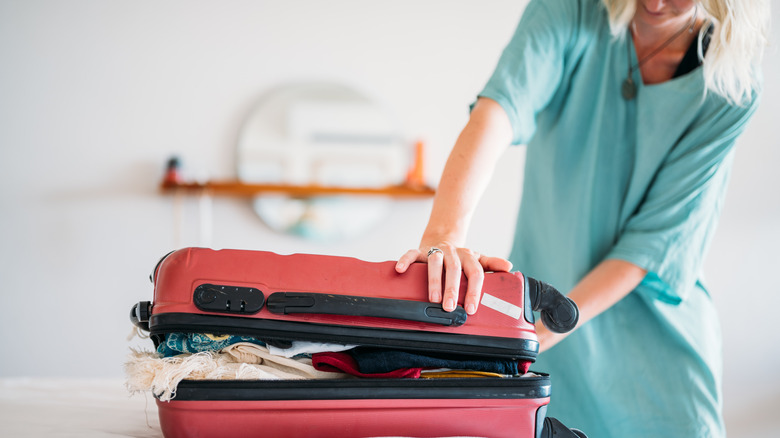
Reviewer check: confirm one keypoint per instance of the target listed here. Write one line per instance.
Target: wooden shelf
(239, 188)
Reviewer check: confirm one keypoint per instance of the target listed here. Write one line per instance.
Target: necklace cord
(646, 58)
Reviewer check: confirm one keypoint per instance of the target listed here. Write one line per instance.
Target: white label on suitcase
(502, 306)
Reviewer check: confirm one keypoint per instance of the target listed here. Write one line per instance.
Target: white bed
(83, 408)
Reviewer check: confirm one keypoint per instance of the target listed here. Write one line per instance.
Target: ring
(433, 250)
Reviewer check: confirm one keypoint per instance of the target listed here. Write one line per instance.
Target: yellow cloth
(457, 374)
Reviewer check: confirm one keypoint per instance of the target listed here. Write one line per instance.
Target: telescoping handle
(309, 302)
(559, 313)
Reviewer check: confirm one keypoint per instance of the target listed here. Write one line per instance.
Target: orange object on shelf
(415, 177)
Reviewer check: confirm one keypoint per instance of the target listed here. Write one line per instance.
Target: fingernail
(471, 309)
(449, 305)
(399, 266)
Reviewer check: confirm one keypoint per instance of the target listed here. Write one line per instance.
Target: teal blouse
(641, 180)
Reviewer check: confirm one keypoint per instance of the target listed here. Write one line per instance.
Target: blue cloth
(380, 361)
(641, 181)
(180, 343)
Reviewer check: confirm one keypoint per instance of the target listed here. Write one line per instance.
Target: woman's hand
(451, 260)
(464, 178)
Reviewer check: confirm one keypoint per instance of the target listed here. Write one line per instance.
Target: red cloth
(523, 366)
(342, 362)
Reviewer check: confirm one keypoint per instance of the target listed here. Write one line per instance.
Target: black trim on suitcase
(354, 389)
(153, 275)
(510, 348)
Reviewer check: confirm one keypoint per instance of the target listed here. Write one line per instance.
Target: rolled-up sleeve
(669, 233)
(531, 66)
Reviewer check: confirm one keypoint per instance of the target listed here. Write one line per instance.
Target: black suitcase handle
(308, 302)
(140, 313)
(559, 313)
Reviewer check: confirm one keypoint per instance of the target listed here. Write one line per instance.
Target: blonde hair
(740, 33)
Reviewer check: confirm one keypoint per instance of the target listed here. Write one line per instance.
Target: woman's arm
(466, 174)
(609, 282)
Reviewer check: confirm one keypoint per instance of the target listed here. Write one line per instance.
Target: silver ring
(433, 250)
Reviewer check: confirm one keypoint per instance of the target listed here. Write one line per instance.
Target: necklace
(629, 87)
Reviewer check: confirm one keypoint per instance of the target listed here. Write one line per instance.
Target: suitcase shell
(494, 408)
(502, 328)
(217, 291)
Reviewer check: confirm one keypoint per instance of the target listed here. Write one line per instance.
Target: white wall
(94, 96)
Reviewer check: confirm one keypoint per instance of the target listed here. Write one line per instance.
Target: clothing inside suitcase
(486, 406)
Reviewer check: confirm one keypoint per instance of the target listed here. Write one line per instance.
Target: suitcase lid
(340, 300)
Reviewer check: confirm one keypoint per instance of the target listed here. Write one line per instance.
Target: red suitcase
(349, 301)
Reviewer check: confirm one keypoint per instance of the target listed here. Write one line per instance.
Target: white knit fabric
(147, 371)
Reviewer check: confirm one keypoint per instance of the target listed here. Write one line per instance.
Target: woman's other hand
(450, 260)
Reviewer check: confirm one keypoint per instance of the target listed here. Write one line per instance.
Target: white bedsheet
(75, 408)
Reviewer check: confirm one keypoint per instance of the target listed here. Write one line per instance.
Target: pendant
(628, 89)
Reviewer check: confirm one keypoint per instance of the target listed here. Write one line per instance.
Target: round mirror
(321, 134)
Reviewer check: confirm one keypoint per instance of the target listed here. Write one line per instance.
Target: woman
(630, 138)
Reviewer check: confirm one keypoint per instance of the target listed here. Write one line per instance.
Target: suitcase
(350, 301)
